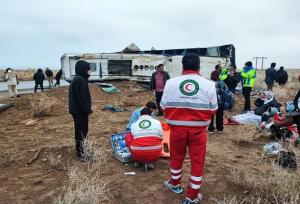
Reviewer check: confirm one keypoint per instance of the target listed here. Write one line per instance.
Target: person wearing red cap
(188, 103)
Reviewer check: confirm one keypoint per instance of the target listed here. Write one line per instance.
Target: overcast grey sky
(36, 33)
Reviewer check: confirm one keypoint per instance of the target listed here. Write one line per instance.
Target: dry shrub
(275, 186)
(43, 105)
(89, 184)
(97, 154)
(286, 92)
(258, 156)
(234, 200)
(227, 200)
(281, 91)
(245, 135)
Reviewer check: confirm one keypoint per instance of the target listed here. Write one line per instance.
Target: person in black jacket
(57, 78)
(39, 78)
(158, 82)
(49, 75)
(271, 76)
(80, 104)
(282, 76)
(232, 79)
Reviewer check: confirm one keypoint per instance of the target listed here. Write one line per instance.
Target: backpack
(227, 98)
(287, 160)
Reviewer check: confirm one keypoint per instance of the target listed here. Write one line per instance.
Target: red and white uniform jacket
(189, 100)
(144, 141)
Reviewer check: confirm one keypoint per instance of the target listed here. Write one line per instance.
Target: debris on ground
(4, 106)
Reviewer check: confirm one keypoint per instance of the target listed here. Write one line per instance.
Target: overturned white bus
(139, 65)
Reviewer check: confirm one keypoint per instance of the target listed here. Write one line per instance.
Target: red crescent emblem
(187, 87)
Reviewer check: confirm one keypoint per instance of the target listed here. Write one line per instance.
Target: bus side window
(93, 67)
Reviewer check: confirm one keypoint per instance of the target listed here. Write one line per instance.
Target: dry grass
(43, 105)
(260, 77)
(274, 186)
(245, 135)
(286, 92)
(88, 184)
(235, 200)
(227, 200)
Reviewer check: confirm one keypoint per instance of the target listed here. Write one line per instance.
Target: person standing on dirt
(220, 88)
(271, 76)
(248, 75)
(137, 113)
(80, 105)
(58, 77)
(158, 82)
(282, 76)
(231, 79)
(39, 78)
(215, 75)
(144, 140)
(12, 82)
(49, 75)
(188, 103)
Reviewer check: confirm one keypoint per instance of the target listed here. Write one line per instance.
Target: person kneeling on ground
(137, 113)
(265, 102)
(144, 140)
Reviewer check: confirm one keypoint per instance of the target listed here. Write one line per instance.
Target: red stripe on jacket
(187, 114)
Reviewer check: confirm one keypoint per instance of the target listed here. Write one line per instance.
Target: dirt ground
(26, 181)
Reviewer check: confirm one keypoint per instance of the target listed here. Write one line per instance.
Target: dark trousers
(158, 96)
(219, 120)
(38, 84)
(81, 124)
(232, 90)
(270, 86)
(57, 83)
(247, 94)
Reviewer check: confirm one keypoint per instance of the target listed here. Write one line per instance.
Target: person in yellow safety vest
(248, 75)
(224, 73)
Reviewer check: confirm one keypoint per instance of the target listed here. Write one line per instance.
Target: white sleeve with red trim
(213, 99)
(164, 97)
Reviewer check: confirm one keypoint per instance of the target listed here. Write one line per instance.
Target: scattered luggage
(108, 88)
(121, 151)
(272, 148)
(4, 106)
(287, 160)
(112, 108)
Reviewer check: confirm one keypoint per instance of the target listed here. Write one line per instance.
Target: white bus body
(140, 65)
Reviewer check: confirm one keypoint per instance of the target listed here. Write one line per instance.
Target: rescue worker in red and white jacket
(144, 141)
(188, 103)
